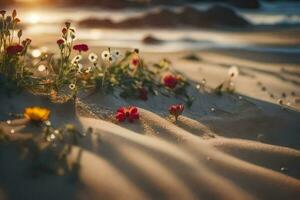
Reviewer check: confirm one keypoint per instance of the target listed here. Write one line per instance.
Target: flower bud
(20, 33)
(14, 13)
(68, 24)
(16, 20)
(64, 31)
(8, 19)
(2, 12)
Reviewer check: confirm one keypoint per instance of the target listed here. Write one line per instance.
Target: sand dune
(157, 158)
(235, 146)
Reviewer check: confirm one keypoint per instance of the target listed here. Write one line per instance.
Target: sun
(32, 18)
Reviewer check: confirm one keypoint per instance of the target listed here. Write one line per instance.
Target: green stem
(103, 78)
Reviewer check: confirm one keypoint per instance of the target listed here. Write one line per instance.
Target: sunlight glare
(33, 18)
(36, 53)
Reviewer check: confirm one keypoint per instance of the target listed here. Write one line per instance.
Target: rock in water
(149, 39)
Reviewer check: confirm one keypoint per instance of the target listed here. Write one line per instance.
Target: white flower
(72, 86)
(233, 72)
(116, 53)
(80, 67)
(89, 70)
(76, 59)
(105, 55)
(36, 53)
(41, 68)
(93, 57)
(112, 59)
(48, 123)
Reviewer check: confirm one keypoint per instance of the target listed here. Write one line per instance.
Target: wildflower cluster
(12, 48)
(113, 71)
(61, 77)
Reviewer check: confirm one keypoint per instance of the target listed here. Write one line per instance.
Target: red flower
(14, 49)
(81, 47)
(135, 62)
(131, 114)
(176, 110)
(64, 31)
(26, 42)
(60, 42)
(121, 114)
(143, 94)
(170, 81)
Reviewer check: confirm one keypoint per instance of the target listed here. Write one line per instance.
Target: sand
(236, 146)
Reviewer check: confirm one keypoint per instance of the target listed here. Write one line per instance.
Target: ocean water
(49, 21)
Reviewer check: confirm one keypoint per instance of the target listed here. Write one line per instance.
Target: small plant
(131, 114)
(228, 85)
(176, 110)
(13, 50)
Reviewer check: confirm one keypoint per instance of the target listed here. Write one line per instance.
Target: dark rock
(94, 22)
(161, 18)
(149, 39)
(192, 57)
(222, 15)
(215, 16)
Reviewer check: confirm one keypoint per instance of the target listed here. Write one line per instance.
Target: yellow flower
(37, 114)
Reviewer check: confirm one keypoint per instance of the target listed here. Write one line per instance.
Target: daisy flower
(233, 72)
(105, 55)
(116, 54)
(76, 59)
(93, 58)
(72, 86)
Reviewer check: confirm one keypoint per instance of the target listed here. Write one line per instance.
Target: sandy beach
(224, 147)
(241, 145)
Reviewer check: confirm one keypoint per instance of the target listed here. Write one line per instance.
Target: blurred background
(162, 25)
